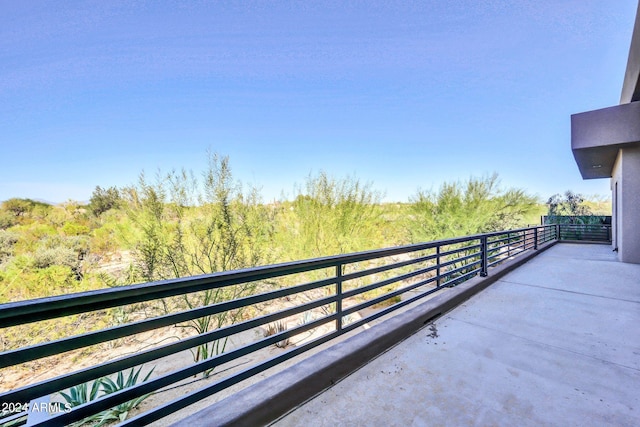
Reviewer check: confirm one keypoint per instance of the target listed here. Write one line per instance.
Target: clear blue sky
(403, 94)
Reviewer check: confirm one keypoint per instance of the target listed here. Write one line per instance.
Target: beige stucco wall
(626, 204)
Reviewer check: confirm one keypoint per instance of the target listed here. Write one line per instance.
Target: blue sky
(402, 94)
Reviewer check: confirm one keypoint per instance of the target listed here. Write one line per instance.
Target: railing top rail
(435, 266)
(14, 313)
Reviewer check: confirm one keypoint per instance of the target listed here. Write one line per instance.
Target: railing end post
(483, 251)
(339, 296)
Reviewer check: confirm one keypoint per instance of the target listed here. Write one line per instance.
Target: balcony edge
(272, 398)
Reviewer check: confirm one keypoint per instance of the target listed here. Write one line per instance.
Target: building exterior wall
(615, 200)
(625, 186)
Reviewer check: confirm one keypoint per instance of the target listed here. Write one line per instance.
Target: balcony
(557, 329)
(555, 342)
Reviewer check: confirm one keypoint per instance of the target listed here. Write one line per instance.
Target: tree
(18, 207)
(191, 226)
(332, 216)
(103, 200)
(466, 208)
(570, 205)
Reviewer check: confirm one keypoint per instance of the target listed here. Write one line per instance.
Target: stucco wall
(626, 204)
(616, 173)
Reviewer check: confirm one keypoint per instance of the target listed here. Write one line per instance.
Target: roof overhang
(596, 137)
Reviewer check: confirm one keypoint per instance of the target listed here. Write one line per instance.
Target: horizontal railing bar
(582, 233)
(193, 397)
(458, 250)
(509, 237)
(518, 245)
(495, 249)
(24, 312)
(183, 402)
(463, 267)
(124, 395)
(584, 230)
(463, 277)
(11, 418)
(387, 267)
(21, 312)
(396, 306)
(501, 256)
(62, 382)
(39, 351)
(499, 251)
(369, 303)
(357, 291)
(491, 264)
(456, 260)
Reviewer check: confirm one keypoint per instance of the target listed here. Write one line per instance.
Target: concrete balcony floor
(554, 342)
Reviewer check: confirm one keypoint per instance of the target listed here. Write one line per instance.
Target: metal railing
(585, 232)
(338, 293)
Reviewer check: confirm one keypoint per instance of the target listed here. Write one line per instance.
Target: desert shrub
(7, 243)
(40, 211)
(7, 219)
(75, 229)
(57, 216)
(45, 257)
(54, 280)
(22, 281)
(331, 216)
(62, 251)
(32, 234)
(103, 240)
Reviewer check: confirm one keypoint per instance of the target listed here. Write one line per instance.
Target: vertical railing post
(483, 253)
(535, 238)
(438, 265)
(339, 296)
(558, 232)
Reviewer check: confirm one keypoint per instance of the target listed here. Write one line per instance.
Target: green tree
(332, 216)
(104, 199)
(571, 204)
(191, 226)
(478, 205)
(18, 207)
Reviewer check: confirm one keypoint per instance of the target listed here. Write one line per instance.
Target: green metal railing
(338, 293)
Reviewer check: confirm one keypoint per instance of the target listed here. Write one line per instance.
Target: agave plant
(276, 328)
(81, 394)
(119, 413)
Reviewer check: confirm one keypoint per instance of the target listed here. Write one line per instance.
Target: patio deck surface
(555, 342)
